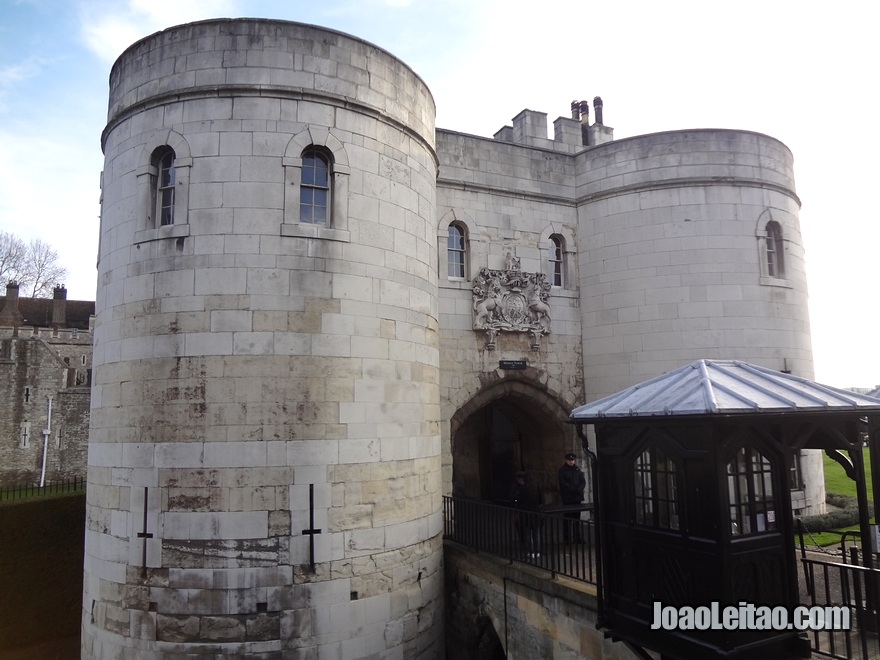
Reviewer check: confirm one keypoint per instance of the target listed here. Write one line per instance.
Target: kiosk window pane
(750, 493)
(656, 490)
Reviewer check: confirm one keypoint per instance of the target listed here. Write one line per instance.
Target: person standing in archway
(572, 483)
(526, 498)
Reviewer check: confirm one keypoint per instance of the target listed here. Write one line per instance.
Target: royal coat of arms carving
(511, 301)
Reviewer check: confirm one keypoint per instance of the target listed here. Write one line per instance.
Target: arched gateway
(509, 426)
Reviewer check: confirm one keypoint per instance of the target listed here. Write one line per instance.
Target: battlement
(571, 134)
(51, 335)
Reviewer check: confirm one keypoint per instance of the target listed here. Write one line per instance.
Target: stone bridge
(499, 609)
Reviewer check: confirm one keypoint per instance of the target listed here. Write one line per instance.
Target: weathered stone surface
(279, 523)
(177, 628)
(222, 629)
(263, 627)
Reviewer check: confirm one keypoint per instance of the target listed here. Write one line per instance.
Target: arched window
(774, 251)
(314, 201)
(166, 182)
(456, 251)
(750, 493)
(556, 264)
(656, 490)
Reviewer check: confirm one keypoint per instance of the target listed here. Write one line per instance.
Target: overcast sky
(803, 72)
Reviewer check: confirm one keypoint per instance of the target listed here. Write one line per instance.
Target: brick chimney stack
(584, 107)
(59, 306)
(10, 316)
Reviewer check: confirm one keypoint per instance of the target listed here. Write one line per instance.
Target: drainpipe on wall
(46, 432)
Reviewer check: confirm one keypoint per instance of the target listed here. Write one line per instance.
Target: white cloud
(108, 29)
(17, 72)
(66, 219)
(14, 74)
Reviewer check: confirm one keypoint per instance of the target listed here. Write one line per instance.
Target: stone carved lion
(511, 301)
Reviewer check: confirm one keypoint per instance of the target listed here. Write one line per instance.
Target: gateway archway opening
(504, 436)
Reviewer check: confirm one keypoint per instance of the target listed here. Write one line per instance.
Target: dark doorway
(504, 436)
(489, 646)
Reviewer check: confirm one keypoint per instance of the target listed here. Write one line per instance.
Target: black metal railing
(856, 588)
(21, 491)
(556, 539)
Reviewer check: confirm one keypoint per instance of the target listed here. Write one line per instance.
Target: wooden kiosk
(693, 498)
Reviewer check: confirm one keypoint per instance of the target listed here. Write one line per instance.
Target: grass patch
(836, 480)
(840, 492)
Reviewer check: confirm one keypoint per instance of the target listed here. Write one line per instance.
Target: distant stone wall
(36, 365)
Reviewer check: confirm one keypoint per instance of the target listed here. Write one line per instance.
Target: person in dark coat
(572, 483)
(526, 498)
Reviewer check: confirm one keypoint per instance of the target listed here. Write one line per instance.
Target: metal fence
(556, 540)
(857, 588)
(21, 491)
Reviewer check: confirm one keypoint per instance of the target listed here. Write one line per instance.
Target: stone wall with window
(265, 403)
(662, 248)
(42, 358)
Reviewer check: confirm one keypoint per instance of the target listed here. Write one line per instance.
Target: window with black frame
(656, 490)
(456, 251)
(750, 493)
(166, 181)
(314, 205)
(774, 250)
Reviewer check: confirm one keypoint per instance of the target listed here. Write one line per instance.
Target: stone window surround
(762, 235)
(477, 252)
(568, 256)
(337, 228)
(475, 248)
(147, 173)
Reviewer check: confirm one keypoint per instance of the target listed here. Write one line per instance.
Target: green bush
(845, 516)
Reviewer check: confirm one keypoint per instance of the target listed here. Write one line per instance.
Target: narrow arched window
(166, 180)
(456, 251)
(556, 265)
(314, 201)
(750, 493)
(775, 255)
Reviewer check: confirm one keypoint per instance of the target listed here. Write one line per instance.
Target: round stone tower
(264, 469)
(694, 251)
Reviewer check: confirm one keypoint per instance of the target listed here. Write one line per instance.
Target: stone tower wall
(247, 363)
(665, 238)
(509, 198)
(672, 262)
